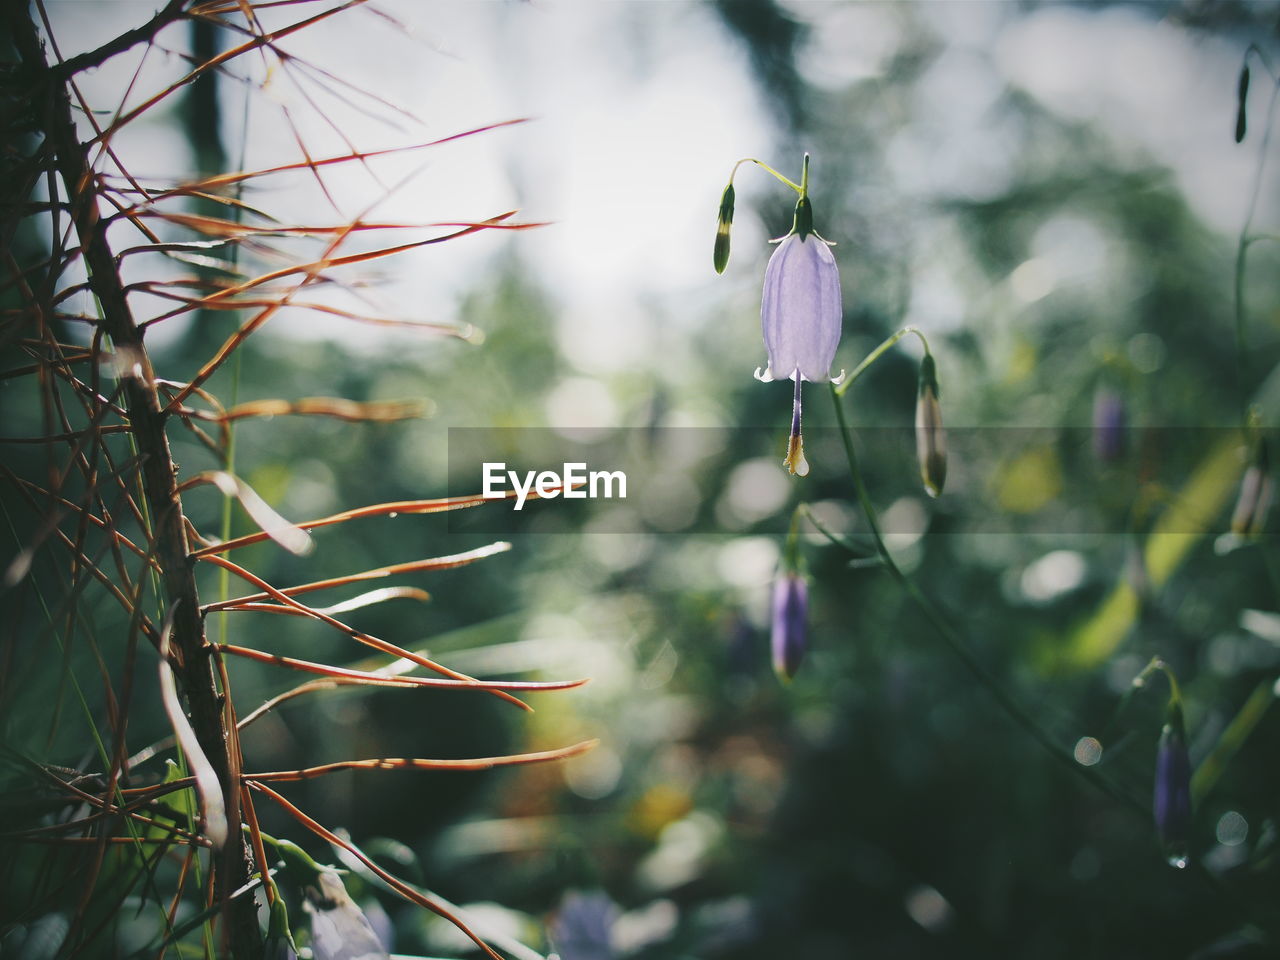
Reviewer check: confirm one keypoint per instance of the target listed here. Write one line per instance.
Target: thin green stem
(1254, 50)
(787, 180)
(1242, 248)
(835, 538)
(952, 640)
(1158, 665)
(876, 354)
(791, 548)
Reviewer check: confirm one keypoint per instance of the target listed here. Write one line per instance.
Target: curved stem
(952, 640)
(787, 180)
(1242, 248)
(1261, 55)
(1158, 665)
(876, 354)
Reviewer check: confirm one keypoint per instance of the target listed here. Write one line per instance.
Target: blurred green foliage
(881, 803)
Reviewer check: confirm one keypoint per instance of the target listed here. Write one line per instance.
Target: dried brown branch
(215, 183)
(107, 502)
(336, 407)
(376, 679)
(310, 272)
(399, 763)
(354, 603)
(146, 33)
(215, 62)
(413, 566)
(357, 635)
(391, 509)
(147, 420)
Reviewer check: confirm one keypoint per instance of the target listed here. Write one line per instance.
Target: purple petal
(800, 310)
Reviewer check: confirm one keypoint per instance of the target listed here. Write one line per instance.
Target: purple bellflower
(800, 315)
(1171, 802)
(790, 622)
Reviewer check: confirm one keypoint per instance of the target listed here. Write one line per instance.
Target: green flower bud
(723, 223)
(931, 438)
(1256, 490)
(279, 933)
(1171, 798)
(1242, 94)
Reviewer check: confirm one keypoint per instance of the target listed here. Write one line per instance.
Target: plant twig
(147, 422)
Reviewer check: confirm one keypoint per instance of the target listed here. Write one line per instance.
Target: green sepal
(803, 222)
(929, 376)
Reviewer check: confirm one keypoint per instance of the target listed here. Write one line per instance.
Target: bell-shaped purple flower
(790, 623)
(800, 310)
(800, 313)
(1171, 803)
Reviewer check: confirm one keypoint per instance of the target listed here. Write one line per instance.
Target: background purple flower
(1171, 803)
(582, 926)
(790, 623)
(1110, 422)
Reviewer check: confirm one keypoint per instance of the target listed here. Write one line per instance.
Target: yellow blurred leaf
(1029, 482)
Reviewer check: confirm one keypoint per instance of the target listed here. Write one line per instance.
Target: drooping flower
(790, 636)
(931, 438)
(800, 314)
(1171, 803)
(339, 928)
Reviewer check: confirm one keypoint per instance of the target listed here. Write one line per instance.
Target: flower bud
(931, 438)
(1171, 803)
(723, 223)
(1110, 423)
(790, 623)
(1256, 491)
(1242, 95)
(279, 941)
